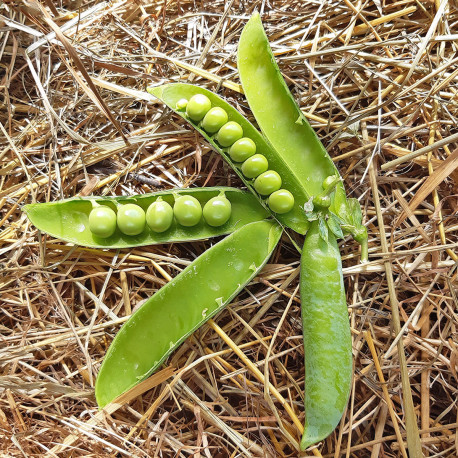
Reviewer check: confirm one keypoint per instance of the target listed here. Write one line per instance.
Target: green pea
(198, 106)
(267, 183)
(214, 120)
(255, 165)
(182, 104)
(217, 211)
(131, 219)
(242, 149)
(102, 221)
(322, 201)
(159, 216)
(229, 133)
(187, 211)
(281, 201)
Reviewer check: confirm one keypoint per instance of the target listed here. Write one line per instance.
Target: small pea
(131, 219)
(159, 216)
(198, 106)
(214, 120)
(267, 183)
(182, 104)
(217, 211)
(229, 133)
(255, 165)
(242, 149)
(281, 201)
(187, 211)
(102, 221)
(329, 181)
(322, 201)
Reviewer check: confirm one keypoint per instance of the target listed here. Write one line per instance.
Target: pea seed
(281, 201)
(255, 165)
(131, 219)
(187, 211)
(102, 221)
(242, 149)
(198, 106)
(217, 211)
(159, 216)
(214, 120)
(229, 133)
(267, 183)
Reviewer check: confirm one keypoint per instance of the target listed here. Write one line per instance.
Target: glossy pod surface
(170, 94)
(174, 312)
(327, 339)
(278, 116)
(69, 219)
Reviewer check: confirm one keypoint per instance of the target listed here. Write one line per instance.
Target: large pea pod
(202, 290)
(279, 117)
(69, 219)
(171, 94)
(327, 339)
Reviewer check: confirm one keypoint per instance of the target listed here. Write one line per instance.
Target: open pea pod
(170, 94)
(279, 117)
(173, 313)
(69, 219)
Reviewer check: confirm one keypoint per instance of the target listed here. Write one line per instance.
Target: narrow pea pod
(279, 117)
(170, 94)
(163, 322)
(69, 219)
(327, 339)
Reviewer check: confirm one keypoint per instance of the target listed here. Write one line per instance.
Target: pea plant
(291, 183)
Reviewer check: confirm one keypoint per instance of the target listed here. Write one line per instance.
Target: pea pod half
(163, 322)
(279, 117)
(327, 339)
(69, 219)
(171, 94)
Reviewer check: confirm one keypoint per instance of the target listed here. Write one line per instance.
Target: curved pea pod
(163, 322)
(279, 117)
(170, 94)
(327, 339)
(69, 219)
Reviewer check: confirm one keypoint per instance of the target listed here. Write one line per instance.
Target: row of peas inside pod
(131, 219)
(242, 150)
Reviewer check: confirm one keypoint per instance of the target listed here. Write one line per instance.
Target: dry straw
(378, 82)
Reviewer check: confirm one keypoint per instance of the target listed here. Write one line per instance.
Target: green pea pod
(279, 117)
(173, 313)
(68, 219)
(327, 339)
(170, 94)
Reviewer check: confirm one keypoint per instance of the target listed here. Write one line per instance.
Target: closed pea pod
(163, 322)
(69, 219)
(327, 339)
